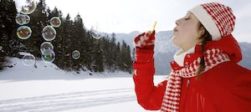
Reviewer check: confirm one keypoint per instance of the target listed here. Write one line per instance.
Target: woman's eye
(187, 18)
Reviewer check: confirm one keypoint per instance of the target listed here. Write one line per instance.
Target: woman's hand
(145, 40)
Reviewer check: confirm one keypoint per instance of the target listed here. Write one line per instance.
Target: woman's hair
(204, 39)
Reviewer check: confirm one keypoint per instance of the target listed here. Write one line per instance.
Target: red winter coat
(224, 88)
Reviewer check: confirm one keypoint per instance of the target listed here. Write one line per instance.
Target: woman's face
(186, 33)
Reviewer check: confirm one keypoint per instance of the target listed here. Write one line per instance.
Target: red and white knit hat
(217, 18)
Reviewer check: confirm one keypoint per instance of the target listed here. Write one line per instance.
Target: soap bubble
(24, 32)
(28, 60)
(55, 21)
(49, 33)
(75, 54)
(96, 36)
(46, 46)
(48, 55)
(22, 19)
(27, 6)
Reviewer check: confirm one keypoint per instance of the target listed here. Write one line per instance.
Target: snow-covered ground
(48, 89)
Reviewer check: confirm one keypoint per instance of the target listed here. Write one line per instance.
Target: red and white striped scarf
(171, 98)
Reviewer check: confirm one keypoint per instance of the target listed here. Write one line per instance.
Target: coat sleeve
(148, 96)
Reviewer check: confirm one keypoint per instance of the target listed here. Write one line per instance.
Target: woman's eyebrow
(187, 15)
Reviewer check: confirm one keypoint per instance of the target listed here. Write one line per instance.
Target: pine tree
(128, 60)
(113, 54)
(118, 56)
(95, 54)
(78, 40)
(66, 42)
(7, 29)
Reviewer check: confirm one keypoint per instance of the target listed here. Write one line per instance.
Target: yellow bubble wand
(153, 27)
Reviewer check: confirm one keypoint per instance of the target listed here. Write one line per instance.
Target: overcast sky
(125, 16)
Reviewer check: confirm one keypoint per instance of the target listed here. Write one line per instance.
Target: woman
(205, 75)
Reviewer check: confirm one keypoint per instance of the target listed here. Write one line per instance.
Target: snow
(49, 89)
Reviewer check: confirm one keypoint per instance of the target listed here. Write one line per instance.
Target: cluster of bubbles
(25, 7)
(49, 34)
(24, 32)
(48, 55)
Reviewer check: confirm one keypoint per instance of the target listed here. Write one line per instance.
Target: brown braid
(204, 39)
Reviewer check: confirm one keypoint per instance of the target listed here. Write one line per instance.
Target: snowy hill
(49, 89)
(164, 50)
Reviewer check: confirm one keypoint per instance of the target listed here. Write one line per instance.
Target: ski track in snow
(67, 101)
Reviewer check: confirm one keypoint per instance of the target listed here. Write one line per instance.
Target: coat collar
(179, 57)
(228, 44)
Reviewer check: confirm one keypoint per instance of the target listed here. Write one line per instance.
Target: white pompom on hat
(217, 18)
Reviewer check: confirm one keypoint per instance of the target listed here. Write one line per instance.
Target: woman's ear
(201, 32)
